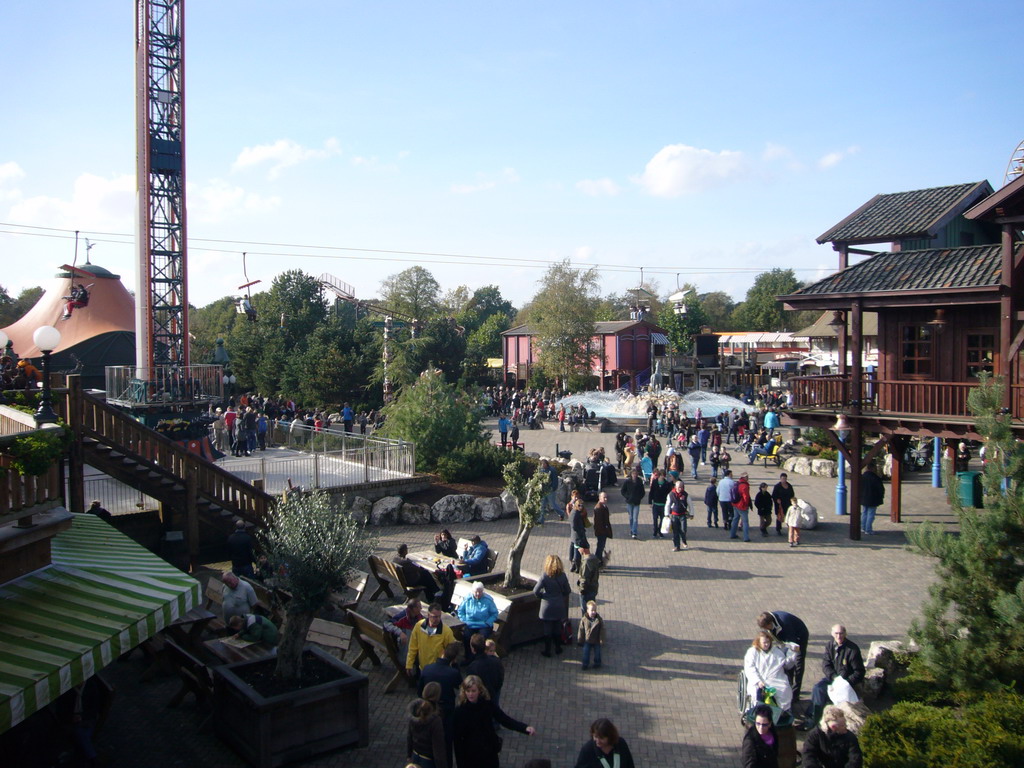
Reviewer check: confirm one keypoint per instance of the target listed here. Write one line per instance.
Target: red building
(622, 352)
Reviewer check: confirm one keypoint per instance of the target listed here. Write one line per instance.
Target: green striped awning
(102, 596)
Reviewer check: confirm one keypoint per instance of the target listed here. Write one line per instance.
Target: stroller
(592, 481)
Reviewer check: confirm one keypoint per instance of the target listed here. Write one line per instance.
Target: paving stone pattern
(678, 624)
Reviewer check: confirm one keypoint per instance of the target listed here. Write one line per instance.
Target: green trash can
(970, 489)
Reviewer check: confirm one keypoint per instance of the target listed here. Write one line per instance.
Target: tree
(413, 292)
(314, 548)
(434, 415)
(562, 318)
(528, 495)
(485, 341)
(681, 328)
(718, 307)
(970, 634)
(12, 310)
(761, 310)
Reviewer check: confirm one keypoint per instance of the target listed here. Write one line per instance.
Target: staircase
(114, 443)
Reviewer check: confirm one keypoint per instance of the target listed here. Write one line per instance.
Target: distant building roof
(902, 215)
(821, 329)
(975, 266)
(601, 327)
(755, 337)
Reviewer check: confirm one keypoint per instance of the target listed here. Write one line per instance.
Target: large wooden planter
(522, 623)
(295, 725)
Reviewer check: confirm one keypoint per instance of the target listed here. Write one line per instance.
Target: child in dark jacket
(763, 504)
(591, 635)
(711, 501)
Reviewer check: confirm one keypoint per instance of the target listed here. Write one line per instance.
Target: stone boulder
(509, 505)
(798, 465)
(456, 508)
(414, 514)
(874, 682)
(385, 511)
(488, 509)
(360, 509)
(823, 468)
(882, 655)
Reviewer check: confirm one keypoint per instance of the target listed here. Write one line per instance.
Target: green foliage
(761, 311)
(470, 461)
(528, 490)
(970, 633)
(816, 435)
(12, 310)
(413, 292)
(918, 685)
(36, 452)
(436, 416)
(314, 547)
(681, 329)
(982, 734)
(831, 454)
(718, 307)
(562, 316)
(810, 450)
(485, 341)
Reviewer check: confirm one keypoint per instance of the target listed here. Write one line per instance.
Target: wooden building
(622, 352)
(947, 297)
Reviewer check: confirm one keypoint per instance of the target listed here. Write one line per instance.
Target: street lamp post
(842, 429)
(3, 348)
(46, 338)
(229, 383)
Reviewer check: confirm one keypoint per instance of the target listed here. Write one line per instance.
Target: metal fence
(128, 385)
(333, 459)
(115, 496)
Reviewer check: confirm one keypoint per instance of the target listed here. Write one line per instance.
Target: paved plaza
(678, 626)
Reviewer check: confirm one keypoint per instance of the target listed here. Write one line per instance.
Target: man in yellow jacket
(427, 640)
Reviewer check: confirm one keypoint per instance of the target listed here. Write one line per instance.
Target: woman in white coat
(765, 666)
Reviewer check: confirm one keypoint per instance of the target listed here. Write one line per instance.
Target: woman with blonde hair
(553, 590)
(477, 744)
(832, 745)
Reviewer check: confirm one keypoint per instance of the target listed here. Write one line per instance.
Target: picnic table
(232, 649)
(454, 623)
(431, 561)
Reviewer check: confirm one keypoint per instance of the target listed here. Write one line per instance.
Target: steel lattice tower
(161, 300)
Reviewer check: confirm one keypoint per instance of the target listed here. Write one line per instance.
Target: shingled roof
(975, 266)
(902, 215)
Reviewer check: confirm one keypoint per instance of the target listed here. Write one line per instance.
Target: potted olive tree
(304, 701)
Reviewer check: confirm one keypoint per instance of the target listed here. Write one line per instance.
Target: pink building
(622, 353)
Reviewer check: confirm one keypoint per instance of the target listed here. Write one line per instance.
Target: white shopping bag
(840, 692)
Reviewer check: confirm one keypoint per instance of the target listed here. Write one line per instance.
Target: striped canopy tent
(102, 595)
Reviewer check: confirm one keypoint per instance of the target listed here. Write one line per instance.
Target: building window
(981, 353)
(916, 346)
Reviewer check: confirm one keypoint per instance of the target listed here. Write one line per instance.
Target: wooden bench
(215, 603)
(372, 638)
(333, 637)
(194, 675)
(345, 601)
(388, 575)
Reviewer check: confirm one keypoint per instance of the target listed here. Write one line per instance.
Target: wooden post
(192, 515)
(76, 462)
(855, 470)
(899, 448)
(1006, 313)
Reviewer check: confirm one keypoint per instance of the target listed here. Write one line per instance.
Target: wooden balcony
(921, 400)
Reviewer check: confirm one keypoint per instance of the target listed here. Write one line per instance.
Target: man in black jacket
(872, 494)
(842, 659)
(633, 492)
(445, 673)
(661, 486)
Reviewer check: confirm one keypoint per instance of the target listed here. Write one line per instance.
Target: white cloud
(598, 187)
(96, 203)
(583, 253)
(10, 174)
(283, 153)
(485, 182)
(833, 159)
(217, 200)
(679, 169)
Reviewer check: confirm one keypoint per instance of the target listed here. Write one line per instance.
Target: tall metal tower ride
(161, 296)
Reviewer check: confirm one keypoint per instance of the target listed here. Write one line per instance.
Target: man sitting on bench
(475, 558)
(414, 575)
(766, 450)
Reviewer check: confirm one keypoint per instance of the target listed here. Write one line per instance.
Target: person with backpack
(678, 512)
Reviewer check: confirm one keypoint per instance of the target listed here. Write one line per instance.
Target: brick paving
(678, 626)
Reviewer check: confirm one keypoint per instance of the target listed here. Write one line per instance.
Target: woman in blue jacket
(479, 613)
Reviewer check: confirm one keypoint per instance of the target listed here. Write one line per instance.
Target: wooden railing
(23, 495)
(110, 426)
(932, 398)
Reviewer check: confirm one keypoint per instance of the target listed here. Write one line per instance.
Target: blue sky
(712, 140)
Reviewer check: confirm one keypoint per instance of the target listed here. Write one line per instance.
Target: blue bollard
(937, 463)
